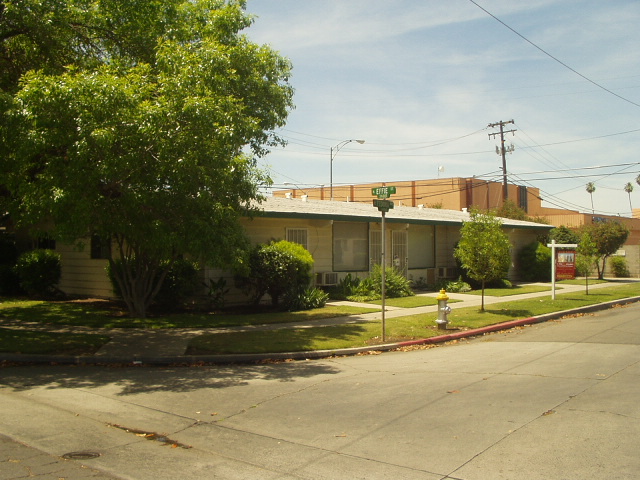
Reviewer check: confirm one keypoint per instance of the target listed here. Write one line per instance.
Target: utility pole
(502, 151)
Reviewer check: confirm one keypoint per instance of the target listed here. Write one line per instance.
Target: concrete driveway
(559, 400)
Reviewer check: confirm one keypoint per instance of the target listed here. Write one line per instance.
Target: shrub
(346, 287)
(217, 291)
(535, 262)
(280, 269)
(310, 298)
(619, 267)
(396, 285)
(39, 272)
(181, 283)
(453, 286)
(419, 284)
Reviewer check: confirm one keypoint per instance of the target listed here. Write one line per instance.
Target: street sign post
(383, 206)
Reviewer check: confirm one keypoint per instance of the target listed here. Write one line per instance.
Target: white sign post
(553, 245)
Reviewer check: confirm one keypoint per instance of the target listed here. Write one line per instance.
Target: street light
(334, 151)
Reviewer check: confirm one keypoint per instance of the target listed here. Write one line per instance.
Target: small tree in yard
(608, 237)
(586, 258)
(484, 249)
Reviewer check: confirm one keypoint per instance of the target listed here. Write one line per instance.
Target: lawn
(515, 290)
(105, 314)
(409, 302)
(408, 327)
(33, 342)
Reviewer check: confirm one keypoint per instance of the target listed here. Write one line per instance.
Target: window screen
(422, 246)
(298, 235)
(350, 246)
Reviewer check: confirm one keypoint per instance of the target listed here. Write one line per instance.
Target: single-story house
(343, 238)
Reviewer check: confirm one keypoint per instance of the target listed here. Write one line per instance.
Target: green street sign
(383, 192)
(383, 205)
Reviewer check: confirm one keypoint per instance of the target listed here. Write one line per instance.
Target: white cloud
(413, 71)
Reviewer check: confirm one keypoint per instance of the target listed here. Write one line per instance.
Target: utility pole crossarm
(503, 151)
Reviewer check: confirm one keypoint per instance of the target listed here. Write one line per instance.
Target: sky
(421, 81)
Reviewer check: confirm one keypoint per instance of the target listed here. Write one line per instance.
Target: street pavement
(554, 400)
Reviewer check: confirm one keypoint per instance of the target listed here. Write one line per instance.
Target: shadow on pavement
(158, 379)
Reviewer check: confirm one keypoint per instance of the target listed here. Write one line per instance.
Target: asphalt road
(559, 400)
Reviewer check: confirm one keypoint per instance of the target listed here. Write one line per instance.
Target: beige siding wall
(264, 230)
(82, 275)
(446, 239)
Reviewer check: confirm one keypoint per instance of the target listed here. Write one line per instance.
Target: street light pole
(332, 154)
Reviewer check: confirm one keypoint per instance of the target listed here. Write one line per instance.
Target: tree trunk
(586, 283)
(482, 305)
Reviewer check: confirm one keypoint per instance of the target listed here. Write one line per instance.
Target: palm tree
(591, 188)
(629, 188)
(638, 179)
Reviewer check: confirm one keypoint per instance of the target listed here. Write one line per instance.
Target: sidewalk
(169, 345)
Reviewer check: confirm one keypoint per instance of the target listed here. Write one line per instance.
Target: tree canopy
(484, 249)
(608, 237)
(586, 257)
(140, 121)
(563, 234)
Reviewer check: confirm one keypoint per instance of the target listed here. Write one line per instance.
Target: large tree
(608, 236)
(484, 249)
(563, 234)
(153, 141)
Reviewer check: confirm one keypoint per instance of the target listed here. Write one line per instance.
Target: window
(422, 246)
(350, 247)
(298, 235)
(100, 247)
(523, 201)
(46, 242)
(375, 247)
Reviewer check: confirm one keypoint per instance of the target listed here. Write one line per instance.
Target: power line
(555, 58)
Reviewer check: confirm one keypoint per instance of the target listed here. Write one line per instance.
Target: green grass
(580, 281)
(515, 290)
(33, 342)
(408, 327)
(102, 315)
(409, 302)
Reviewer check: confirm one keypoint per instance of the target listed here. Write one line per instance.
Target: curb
(185, 360)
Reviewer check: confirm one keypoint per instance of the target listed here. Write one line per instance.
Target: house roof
(276, 207)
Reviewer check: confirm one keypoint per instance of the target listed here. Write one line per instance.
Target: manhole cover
(80, 455)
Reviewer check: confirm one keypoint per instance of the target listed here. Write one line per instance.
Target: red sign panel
(565, 264)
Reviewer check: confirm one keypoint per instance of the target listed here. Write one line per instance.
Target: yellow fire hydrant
(443, 310)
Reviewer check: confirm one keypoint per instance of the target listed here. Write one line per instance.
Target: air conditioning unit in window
(447, 272)
(326, 278)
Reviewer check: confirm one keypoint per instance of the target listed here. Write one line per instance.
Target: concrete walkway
(169, 345)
